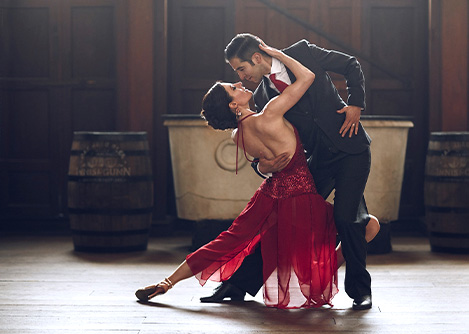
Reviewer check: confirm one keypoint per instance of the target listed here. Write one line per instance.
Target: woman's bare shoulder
(233, 134)
(269, 121)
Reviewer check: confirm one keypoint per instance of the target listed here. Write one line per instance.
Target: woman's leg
(181, 273)
(372, 229)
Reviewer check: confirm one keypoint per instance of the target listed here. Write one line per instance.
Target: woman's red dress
(296, 231)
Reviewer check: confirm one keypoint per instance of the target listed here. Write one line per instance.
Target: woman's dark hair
(243, 46)
(216, 110)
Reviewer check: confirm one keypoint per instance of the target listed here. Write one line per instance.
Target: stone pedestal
(207, 188)
(388, 149)
(383, 190)
(204, 169)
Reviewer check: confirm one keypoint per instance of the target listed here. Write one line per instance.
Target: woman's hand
(273, 52)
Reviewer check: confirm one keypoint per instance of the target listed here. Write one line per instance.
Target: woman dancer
(294, 223)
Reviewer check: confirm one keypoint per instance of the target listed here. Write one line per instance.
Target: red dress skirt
(296, 231)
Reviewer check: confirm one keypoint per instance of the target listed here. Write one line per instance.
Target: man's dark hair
(216, 110)
(243, 46)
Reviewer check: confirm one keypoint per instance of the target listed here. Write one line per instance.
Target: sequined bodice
(293, 180)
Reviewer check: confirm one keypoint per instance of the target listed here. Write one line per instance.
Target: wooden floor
(46, 287)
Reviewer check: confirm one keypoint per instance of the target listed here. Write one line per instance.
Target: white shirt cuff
(264, 175)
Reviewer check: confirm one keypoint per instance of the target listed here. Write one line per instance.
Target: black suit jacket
(320, 103)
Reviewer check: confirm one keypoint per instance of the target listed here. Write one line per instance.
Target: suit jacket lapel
(304, 104)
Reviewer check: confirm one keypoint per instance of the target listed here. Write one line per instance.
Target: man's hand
(352, 118)
(273, 165)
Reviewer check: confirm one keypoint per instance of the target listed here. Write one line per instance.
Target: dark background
(120, 65)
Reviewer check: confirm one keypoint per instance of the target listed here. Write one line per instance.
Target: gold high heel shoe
(151, 291)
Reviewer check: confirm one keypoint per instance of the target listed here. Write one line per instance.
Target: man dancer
(336, 145)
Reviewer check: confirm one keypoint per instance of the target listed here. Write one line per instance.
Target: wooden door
(199, 31)
(57, 75)
(395, 35)
(30, 135)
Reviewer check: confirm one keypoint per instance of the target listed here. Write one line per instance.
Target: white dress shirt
(280, 71)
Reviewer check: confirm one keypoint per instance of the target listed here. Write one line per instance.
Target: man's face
(247, 71)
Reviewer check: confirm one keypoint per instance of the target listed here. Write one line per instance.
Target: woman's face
(238, 93)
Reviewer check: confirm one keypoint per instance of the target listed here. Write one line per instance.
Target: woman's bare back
(266, 135)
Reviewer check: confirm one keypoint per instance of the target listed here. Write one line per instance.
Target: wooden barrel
(110, 191)
(447, 191)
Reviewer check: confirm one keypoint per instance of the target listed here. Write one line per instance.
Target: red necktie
(280, 85)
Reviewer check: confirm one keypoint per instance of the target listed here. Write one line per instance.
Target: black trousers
(347, 174)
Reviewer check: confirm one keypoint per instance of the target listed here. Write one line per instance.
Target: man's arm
(265, 167)
(349, 67)
(346, 65)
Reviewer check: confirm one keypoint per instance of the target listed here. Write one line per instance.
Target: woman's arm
(279, 105)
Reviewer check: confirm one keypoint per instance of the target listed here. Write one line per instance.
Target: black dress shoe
(362, 303)
(224, 290)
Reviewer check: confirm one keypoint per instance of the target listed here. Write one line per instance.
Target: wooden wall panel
(387, 102)
(341, 19)
(388, 95)
(307, 11)
(199, 30)
(89, 65)
(28, 131)
(454, 66)
(25, 40)
(57, 74)
(164, 195)
(28, 124)
(29, 189)
(92, 42)
(397, 40)
(93, 110)
(434, 58)
(139, 66)
(449, 65)
(272, 26)
(194, 26)
(67, 65)
(88, 39)
(392, 31)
